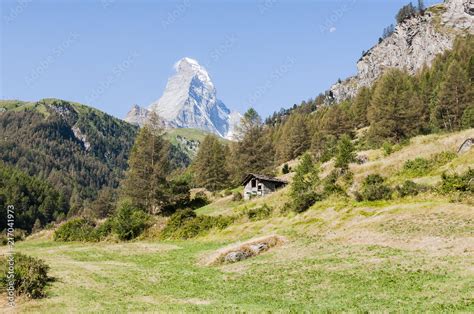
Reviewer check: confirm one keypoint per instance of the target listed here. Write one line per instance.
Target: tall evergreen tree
(359, 107)
(145, 183)
(303, 190)
(294, 140)
(454, 97)
(345, 153)
(209, 166)
(254, 152)
(395, 108)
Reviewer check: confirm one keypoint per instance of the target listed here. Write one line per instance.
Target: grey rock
(236, 256)
(466, 145)
(414, 43)
(258, 248)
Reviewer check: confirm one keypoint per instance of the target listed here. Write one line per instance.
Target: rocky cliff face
(414, 43)
(189, 101)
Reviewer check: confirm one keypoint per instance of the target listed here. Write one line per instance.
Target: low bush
(30, 275)
(76, 229)
(129, 222)
(305, 201)
(18, 235)
(330, 185)
(102, 231)
(387, 148)
(237, 197)
(199, 200)
(259, 213)
(457, 183)
(184, 224)
(409, 188)
(285, 169)
(417, 167)
(374, 188)
(421, 166)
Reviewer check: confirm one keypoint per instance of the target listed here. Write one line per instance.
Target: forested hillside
(79, 150)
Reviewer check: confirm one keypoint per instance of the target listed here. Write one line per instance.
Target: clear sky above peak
(111, 54)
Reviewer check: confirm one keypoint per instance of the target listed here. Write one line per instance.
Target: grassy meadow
(412, 254)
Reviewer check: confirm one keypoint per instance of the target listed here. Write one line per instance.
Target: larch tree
(454, 97)
(145, 183)
(209, 166)
(395, 108)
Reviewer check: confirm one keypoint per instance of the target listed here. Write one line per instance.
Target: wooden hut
(260, 185)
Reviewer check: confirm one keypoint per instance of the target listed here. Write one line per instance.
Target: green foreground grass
(413, 254)
(309, 273)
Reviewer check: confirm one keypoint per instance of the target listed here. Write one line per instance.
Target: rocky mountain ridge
(414, 43)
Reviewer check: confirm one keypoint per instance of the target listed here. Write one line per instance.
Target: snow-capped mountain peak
(189, 101)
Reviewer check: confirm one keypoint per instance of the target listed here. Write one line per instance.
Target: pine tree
(294, 140)
(249, 121)
(421, 6)
(359, 107)
(395, 108)
(145, 183)
(454, 97)
(254, 152)
(345, 153)
(303, 190)
(209, 166)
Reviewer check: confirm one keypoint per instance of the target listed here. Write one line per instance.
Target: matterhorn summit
(189, 101)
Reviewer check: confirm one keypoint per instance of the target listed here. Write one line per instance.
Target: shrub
(237, 197)
(199, 200)
(184, 224)
(458, 183)
(18, 235)
(259, 213)
(330, 185)
(102, 231)
(417, 167)
(443, 158)
(30, 273)
(129, 222)
(409, 188)
(305, 201)
(374, 188)
(387, 148)
(285, 169)
(76, 229)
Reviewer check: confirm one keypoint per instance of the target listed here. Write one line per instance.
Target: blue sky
(111, 54)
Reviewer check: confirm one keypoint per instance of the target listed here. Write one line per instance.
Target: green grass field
(413, 254)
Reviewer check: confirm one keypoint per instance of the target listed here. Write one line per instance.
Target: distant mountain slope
(77, 148)
(190, 101)
(187, 140)
(414, 43)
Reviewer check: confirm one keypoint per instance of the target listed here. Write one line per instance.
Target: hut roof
(262, 177)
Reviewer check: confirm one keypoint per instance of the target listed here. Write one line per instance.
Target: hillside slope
(77, 148)
(406, 254)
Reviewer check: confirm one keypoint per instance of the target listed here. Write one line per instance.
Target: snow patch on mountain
(190, 101)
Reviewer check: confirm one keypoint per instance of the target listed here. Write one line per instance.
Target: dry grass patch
(421, 146)
(218, 257)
